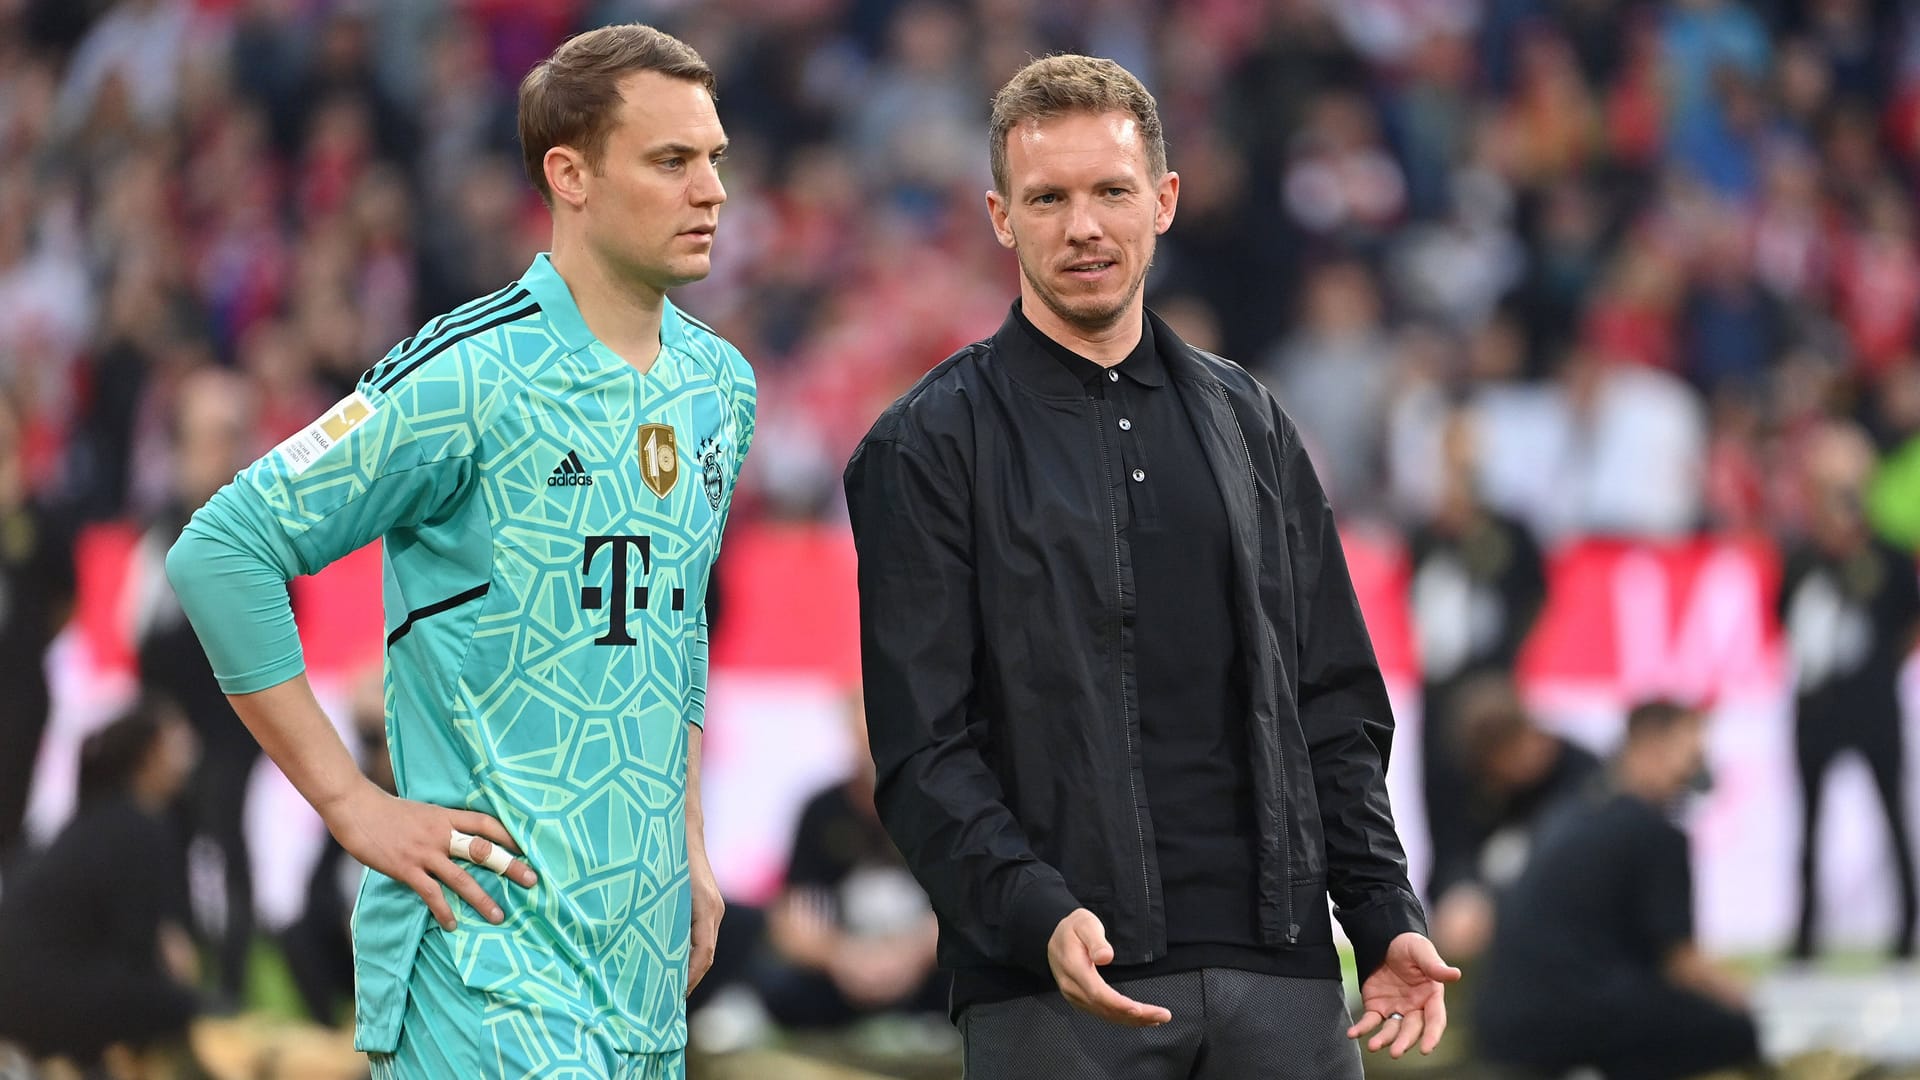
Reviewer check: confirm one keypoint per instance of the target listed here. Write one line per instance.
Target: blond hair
(572, 97)
(1056, 85)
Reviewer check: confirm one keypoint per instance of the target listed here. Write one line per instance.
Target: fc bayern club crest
(710, 472)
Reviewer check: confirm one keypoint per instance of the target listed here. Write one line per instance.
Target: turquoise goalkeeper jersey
(551, 518)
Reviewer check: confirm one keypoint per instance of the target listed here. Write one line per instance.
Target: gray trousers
(1227, 1025)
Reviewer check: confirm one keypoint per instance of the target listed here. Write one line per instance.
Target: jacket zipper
(1273, 650)
(1126, 714)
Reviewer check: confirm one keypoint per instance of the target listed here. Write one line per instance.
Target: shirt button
(1112, 375)
(1139, 475)
(1126, 424)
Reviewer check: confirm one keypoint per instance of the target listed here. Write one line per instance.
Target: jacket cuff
(1036, 914)
(1372, 928)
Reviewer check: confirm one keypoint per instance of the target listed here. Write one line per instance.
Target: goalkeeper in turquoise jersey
(550, 468)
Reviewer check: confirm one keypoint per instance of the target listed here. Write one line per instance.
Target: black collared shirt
(1192, 708)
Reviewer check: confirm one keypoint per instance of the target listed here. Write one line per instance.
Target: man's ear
(567, 172)
(997, 207)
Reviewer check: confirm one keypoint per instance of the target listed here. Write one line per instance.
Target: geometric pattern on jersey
(448, 1032)
(547, 641)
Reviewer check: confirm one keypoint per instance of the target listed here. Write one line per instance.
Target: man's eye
(1045, 200)
(673, 164)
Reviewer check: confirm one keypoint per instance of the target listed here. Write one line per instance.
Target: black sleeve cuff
(1036, 914)
(1372, 928)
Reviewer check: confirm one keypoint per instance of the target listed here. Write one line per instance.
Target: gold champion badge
(659, 458)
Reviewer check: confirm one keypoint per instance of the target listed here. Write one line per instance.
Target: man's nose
(707, 188)
(1083, 225)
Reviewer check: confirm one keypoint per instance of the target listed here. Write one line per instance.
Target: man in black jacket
(1122, 706)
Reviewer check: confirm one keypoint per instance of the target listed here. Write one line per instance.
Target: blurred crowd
(1522, 270)
(1650, 244)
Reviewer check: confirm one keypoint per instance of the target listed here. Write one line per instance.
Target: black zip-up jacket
(996, 611)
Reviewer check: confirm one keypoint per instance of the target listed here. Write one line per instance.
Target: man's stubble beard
(1091, 323)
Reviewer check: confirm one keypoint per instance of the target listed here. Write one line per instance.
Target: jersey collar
(550, 291)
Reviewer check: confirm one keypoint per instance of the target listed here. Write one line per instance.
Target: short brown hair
(1056, 85)
(1487, 716)
(1651, 719)
(571, 97)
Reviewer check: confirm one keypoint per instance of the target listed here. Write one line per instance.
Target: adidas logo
(570, 473)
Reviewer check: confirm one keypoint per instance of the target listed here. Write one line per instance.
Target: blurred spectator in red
(1593, 961)
(1850, 606)
(1735, 486)
(1636, 105)
(1878, 279)
(1630, 314)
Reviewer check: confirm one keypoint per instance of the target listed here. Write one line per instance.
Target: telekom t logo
(593, 597)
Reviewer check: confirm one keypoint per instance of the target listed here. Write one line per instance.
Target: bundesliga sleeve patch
(302, 450)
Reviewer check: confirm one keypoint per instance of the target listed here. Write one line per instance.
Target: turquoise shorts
(452, 1031)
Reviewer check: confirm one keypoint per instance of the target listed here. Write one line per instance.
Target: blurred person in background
(1850, 608)
(852, 928)
(1594, 961)
(1123, 709)
(211, 431)
(549, 468)
(1513, 775)
(36, 596)
(913, 125)
(1477, 584)
(99, 964)
(1636, 450)
(1336, 371)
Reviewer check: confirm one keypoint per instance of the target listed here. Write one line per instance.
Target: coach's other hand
(1406, 998)
(1078, 944)
(709, 907)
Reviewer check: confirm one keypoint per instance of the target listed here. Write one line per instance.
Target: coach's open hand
(407, 841)
(1079, 943)
(708, 907)
(1411, 984)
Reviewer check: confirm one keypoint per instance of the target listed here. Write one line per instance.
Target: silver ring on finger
(1395, 1016)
